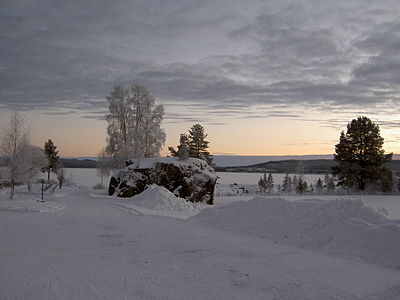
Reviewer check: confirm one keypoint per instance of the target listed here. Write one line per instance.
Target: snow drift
(344, 228)
(157, 200)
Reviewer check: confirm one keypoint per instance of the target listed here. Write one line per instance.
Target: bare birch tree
(33, 160)
(104, 165)
(134, 124)
(14, 143)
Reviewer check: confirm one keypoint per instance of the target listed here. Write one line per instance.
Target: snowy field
(83, 244)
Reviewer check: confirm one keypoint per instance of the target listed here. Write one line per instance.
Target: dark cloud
(222, 58)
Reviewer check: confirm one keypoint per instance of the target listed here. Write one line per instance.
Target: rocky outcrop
(192, 179)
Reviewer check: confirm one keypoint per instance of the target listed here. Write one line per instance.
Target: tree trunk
(12, 189)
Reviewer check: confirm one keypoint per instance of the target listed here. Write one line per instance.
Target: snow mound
(344, 228)
(157, 200)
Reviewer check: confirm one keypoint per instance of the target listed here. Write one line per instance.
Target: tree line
(296, 184)
(134, 130)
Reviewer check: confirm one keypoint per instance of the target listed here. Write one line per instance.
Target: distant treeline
(315, 166)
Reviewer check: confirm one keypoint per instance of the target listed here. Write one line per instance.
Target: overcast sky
(264, 77)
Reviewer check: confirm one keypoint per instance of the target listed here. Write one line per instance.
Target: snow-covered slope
(92, 249)
(345, 228)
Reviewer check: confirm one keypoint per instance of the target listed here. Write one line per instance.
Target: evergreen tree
(295, 182)
(183, 147)
(360, 155)
(386, 181)
(269, 184)
(198, 144)
(262, 183)
(327, 179)
(301, 186)
(182, 151)
(331, 185)
(287, 184)
(51, 156)
(319, 187)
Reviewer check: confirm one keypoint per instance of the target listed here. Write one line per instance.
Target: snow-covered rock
(192, 179)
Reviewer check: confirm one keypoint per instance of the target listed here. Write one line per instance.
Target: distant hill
(78, 163)
(247, 160)
(313, 166)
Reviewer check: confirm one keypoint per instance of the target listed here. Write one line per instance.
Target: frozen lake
(89, 177)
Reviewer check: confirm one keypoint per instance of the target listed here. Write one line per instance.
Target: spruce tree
(52, 158)
(287, 184)
(360, 155)
(269, 184)
(183, 147)
(198, 144)
(319, 187)
(301, 186)
(262, 183)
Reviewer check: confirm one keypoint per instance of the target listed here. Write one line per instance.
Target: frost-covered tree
(33, 161)
(183, 147)
(295, 182)
(287, 184)
(360, 155)
(119, 121)
(51, 158)
(329, 183)
(182, 151)
(13, 145)
(60, 177)
(319, 187)
(104, 165)
(198, 144)
(269, 184)
(386, 181)
(262, 183)
(301, 186)
(134, 124)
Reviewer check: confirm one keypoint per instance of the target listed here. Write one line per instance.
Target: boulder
(192, 178)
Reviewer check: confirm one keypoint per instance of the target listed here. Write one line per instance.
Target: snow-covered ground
(83, 244)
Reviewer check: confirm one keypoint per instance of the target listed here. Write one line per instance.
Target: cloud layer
(222, 58)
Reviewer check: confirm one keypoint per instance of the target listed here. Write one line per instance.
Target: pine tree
(301, 186)
(295, 182)
(262, 183)
(51, 156)
(198, 144)
(319, 186)
(386, 182)
(182, 151)
(360, 155)
(330, 186)
(287, 184)
(183, 147)
(269, 184)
